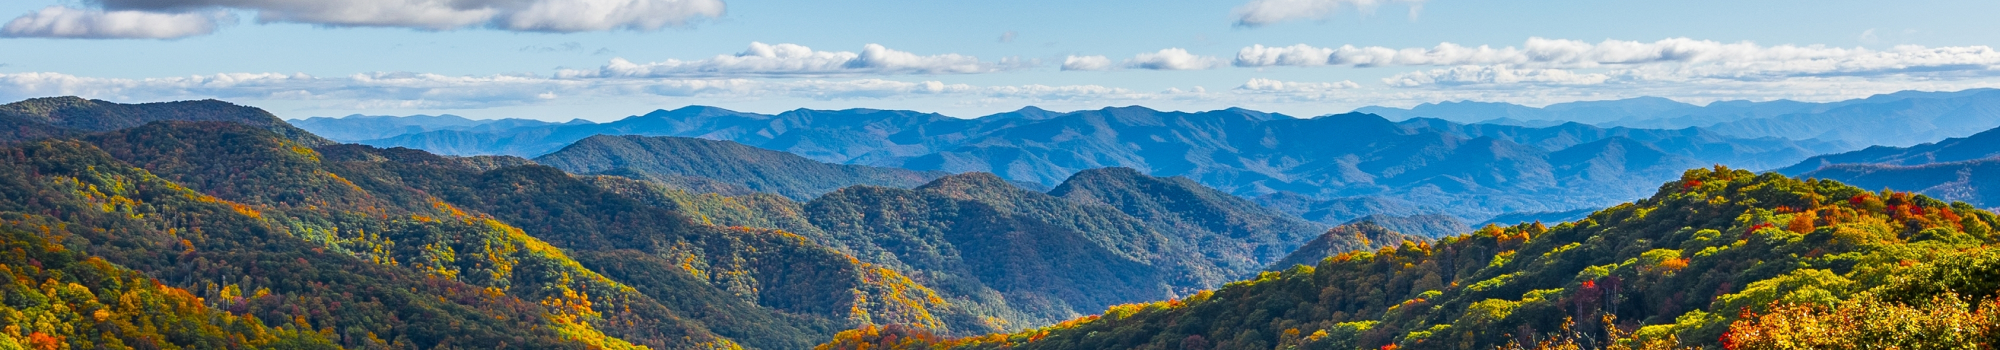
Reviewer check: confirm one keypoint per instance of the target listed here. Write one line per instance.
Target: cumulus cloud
(66, 22)
(1166, 59)
(795, 60)
(1295, 55)
(1263, 85)
(1172, 59)
(1086, 63)
(1263, 12)
(1475, 75)
(423, 90)
(561, 16)
(1669, 59)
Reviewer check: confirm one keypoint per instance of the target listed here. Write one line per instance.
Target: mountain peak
(1028, 113)
(971, 185)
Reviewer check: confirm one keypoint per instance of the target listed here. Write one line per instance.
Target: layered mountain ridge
(1471, 171)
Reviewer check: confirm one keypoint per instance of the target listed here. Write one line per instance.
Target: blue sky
(494, 59)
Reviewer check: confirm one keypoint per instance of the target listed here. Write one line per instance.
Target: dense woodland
(1719, 258)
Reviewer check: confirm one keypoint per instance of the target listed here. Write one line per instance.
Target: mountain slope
(974, 234)
(1959, 169)
(1419, 227)
(1721, 258)
(364, 127)
(219, 249)
(692, 162)
(610, 265)
(1970, 181)
(1985, 144)
(1357, 236)
(1234, 233)
(1112, 236)
(54, 116)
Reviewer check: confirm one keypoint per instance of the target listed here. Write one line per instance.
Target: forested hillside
(721, 166)
(1235, 233)
(246, 238)
(39, 118)
(270, 240)
(1720, 257)
(1113, 236)
(671, 278)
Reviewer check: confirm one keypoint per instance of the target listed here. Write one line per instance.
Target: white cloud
(596, 15)
(563, 16)
(1263, 85)
(796, 60)
(65, 22)
(1669, 59)
(1490, 75)
(1295, 55)
(1263, 12)
(1172, 59)
(423, 90)
(1086, 63)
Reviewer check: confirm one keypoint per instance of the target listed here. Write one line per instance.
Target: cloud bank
(166, 19)
(423, 90)
(795, 60)
(1680, 59)
(66, 22)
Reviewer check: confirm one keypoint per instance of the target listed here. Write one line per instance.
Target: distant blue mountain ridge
(1896, 119)
(367, 127)
(1958, 169)
(1331, 169)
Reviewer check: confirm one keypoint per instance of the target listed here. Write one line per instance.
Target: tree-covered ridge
(623, 269)
(1018, 257)
(769, 277)
(1233, 233)
(238, 259)
(57, 298)
(1356, 236)
(38, 118)
(690, 162)
(1718, 258)
(288, 185)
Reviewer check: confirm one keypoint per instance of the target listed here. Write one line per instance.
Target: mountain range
(1958, 169)
(357, 246)
(722, 166)
(1103, 237)
(1433, 166)
(70, 116)
(368, 127)
(202, 224)
(1897, 119)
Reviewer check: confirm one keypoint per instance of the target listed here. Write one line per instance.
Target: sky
(606, 59)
